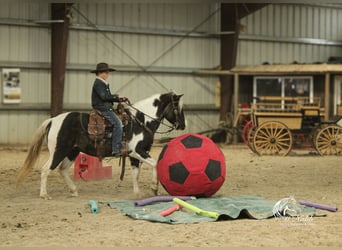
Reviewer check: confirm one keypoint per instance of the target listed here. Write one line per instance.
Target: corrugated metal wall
(24, 45)
(153, 37)
(164, 45)
(287, 33)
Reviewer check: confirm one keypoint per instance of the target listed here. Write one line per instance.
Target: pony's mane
(146, 105)
(147, 101)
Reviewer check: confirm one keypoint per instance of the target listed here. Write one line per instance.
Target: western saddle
(99, 127)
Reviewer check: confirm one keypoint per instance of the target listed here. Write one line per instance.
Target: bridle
(171, 107)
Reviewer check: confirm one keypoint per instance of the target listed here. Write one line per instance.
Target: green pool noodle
(196, 209)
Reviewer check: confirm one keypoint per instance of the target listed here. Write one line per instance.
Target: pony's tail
(34, 151)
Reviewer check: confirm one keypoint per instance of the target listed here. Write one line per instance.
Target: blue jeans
(117, 130)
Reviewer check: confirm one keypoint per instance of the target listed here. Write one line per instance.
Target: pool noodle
(170, 210)
(319, 206)
(160, 198)
(93, 206)
(196, 209)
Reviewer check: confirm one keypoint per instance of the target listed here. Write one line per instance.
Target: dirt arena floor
(27, 220)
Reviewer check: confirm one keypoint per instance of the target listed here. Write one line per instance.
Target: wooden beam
(231, 13)
(236, 93)
(246, 9)
(59, 42)
(327, 97)
(229, 22)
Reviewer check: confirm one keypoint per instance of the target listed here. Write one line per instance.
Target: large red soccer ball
(193, 165)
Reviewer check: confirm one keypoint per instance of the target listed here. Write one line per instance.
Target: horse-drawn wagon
(277, 123)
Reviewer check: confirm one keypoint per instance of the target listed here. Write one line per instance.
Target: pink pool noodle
(170, 210)
(319, 206)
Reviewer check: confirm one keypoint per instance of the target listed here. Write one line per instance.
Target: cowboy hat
(102, 67)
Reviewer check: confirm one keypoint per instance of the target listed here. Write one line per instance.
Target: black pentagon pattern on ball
(192, 142)
(213, 170)
(178, 173)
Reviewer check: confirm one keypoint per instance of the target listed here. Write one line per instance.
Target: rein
(160, 121)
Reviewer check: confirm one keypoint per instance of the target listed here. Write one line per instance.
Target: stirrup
(122, 153)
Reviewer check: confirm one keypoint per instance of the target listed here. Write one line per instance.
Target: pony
(66, 135)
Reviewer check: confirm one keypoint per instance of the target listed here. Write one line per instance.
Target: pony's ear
(178, 97)
(156, 102)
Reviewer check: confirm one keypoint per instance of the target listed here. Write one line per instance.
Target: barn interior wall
(25, 44)
(287, 33)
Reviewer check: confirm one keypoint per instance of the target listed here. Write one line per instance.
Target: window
(297, 87)
(268, 87)
(285, 86)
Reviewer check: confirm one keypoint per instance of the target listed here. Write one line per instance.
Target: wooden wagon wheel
(248, 135)
(272, 138)
(245, 130)
(243, 127)
(329, 140)
(314, 133)
(250, 138)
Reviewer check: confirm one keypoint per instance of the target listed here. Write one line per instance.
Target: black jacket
(101, 97)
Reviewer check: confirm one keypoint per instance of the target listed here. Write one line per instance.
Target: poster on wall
(11, 86)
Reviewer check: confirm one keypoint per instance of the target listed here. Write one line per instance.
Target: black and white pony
(66, 135)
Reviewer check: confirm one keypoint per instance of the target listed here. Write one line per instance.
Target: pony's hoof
(74, 193)
(136, 191)
(154, 189)
(154, 192)
(45, 197)
(138, 195)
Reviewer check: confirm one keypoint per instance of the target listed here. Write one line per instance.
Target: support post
(59, 42)
(326, 97)
(236, 94)
(229, 42)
